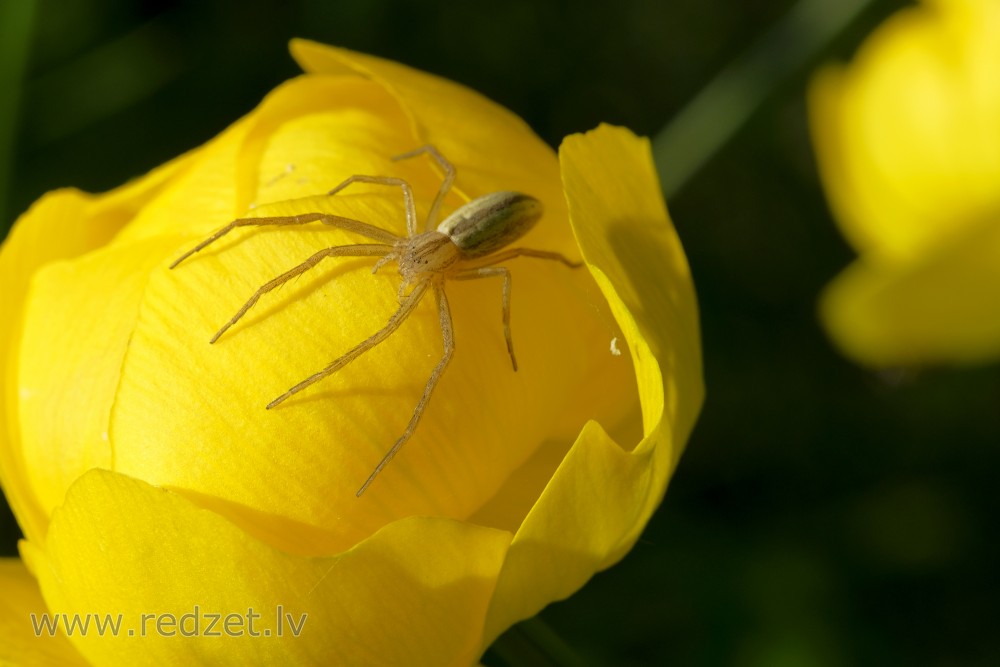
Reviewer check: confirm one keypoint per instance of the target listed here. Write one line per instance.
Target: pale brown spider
(465, 246)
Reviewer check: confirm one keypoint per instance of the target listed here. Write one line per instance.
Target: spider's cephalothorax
(425, 256)
(467, 245)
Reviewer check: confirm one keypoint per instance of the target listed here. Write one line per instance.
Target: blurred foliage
(822, 514)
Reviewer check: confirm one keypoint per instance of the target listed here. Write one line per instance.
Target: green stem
(532, 643)
(722, 108)
(16, 19)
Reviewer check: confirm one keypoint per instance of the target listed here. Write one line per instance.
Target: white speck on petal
(614, 347)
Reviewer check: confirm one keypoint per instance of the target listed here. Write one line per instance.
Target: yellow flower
(149, 479)
(908, 143)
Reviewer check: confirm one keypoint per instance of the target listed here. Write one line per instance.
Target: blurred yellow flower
(908, 143)
(151, 483)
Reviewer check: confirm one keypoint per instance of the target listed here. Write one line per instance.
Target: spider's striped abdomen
(490, 222)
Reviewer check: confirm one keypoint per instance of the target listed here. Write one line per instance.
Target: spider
(467, 245)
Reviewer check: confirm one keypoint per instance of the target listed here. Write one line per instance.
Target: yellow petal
(907, 143)
(21, 610)
(603, 493)
(203, 195)
(239, 506)
(415, 593)
(939, 309)
(80, 313)
(483, 422)
(298, 466)
(906, 136)
(306, 136)
(492, 147)
(40, 236)
(311, 133)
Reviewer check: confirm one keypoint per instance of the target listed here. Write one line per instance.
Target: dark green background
(822, 514)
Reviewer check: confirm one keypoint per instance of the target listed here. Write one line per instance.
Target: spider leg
(411, 211)
(384, 260)
(405, 309)
(448, 333)
(496, 258)
(348, 224)
(489, 272)
(449, 178)
(359, 250)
